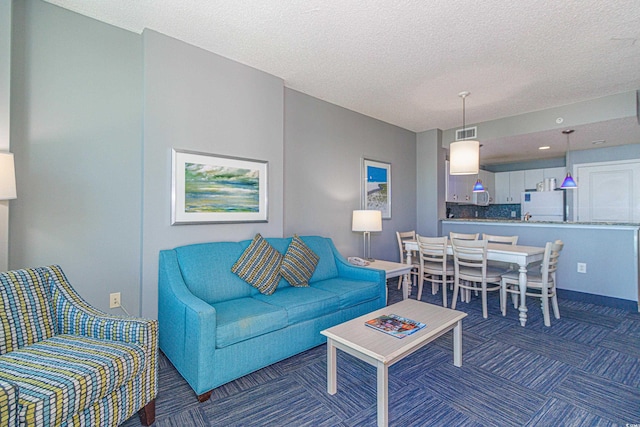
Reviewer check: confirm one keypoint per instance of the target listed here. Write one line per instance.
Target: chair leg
(503, 297)
(147, 413)
(420, 283)
(545, 308)
(483, 291)
(454, 299)
(400, 282)
(556, 310)
(444, 291)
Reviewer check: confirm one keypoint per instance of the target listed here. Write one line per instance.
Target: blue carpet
(584, 370)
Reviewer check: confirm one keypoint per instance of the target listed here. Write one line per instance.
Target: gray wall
(324, 147)
(431, 187)
(197, 100)
(76, 128)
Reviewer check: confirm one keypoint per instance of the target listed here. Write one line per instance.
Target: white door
(608, 192)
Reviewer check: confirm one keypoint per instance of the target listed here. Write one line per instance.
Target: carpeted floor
(584, 370)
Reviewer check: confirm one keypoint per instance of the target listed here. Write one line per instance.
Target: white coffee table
(382, 350)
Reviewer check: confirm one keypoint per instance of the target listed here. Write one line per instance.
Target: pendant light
(464, 156)
(478, 187)
(568, 183)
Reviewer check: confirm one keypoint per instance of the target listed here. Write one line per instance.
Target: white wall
(200, 101)
(324, 147)
(5, 88)
(76, 132)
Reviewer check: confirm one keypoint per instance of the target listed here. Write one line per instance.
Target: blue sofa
(214, 327)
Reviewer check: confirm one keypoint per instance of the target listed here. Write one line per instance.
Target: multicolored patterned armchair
(64, 363)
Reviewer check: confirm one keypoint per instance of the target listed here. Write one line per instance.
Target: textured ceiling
(404, 61)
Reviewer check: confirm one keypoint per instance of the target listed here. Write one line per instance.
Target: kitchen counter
(520, 222)
(608, 252)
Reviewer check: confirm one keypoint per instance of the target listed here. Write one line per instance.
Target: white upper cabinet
(532, 177)
(509, 185)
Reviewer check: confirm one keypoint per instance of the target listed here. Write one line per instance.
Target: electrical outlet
(582, 267)
(114, 300)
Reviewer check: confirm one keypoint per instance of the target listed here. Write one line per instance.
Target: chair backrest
(550, 261)
(402, 236)
(470, 253)
(463, 236)
(509, 240)
(433, 250)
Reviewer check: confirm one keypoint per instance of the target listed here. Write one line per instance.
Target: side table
(394, 269)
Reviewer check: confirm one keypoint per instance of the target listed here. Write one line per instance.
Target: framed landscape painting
(208, 188)
(376, 186)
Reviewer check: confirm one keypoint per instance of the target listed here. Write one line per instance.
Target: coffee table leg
(332, 384)
(457, 344)
(383, 394)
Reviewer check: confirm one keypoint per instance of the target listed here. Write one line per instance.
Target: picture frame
(211, 188)
(376, 186)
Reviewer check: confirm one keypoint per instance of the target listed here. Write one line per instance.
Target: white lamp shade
(464, 157)
(366, 220)
(7, 177)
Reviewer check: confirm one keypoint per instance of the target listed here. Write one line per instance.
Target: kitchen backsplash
(484, 212)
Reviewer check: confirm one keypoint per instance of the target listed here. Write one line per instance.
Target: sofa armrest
(8, 404)
(350, 271)
(188, 324)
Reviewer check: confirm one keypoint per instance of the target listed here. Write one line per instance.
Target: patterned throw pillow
(299, 263)
(26, 309)
(259, 265)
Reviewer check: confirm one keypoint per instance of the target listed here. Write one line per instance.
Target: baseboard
(599, 300)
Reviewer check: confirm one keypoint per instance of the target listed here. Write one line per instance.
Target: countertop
(519, 222)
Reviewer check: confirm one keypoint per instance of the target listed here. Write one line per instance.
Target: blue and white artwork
(378, 187)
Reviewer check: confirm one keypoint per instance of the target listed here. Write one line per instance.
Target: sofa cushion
(302, 303)
(259, 265)
(25, 304)
(323, 248)
(66, 374)
(350, 292)
(243, 318)
(298, 263)
(206, 270)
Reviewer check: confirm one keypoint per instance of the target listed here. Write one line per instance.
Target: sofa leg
(148, 413)
(204, 396)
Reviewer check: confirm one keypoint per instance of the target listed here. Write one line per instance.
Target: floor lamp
(367, 221)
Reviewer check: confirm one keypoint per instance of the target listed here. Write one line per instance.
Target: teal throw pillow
(259, 265)
(299, 263)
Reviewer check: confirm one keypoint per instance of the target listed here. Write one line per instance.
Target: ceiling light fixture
(544, 147)
(568, 183)
(464, 155)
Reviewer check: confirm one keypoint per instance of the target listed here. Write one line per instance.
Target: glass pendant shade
(569, 183)
(478, 187)
(464, 157)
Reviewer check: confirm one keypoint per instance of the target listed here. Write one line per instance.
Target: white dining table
(513, 254)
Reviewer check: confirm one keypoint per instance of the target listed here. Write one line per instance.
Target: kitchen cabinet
(460, 187)
(509, 186)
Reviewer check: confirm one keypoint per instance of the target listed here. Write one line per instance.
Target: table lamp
(367, 221)
(7, 177)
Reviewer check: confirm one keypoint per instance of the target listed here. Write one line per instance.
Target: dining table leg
(522, 284)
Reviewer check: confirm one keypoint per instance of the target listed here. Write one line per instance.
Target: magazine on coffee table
(395, 325)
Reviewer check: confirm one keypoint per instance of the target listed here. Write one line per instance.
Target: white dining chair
(401, 237)
(470, 268)
(463, 236)
(434, 265)
(503, 240)
(540, 284)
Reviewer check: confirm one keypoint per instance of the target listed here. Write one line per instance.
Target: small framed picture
(376, 186)
(209, 188)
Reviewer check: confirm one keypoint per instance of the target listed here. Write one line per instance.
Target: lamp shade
(366, 220)
(7, 177)
(569, 183)
(464, 157)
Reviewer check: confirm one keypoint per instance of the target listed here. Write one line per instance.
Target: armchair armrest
(77, 317)
(350, 271)
(8, 404)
